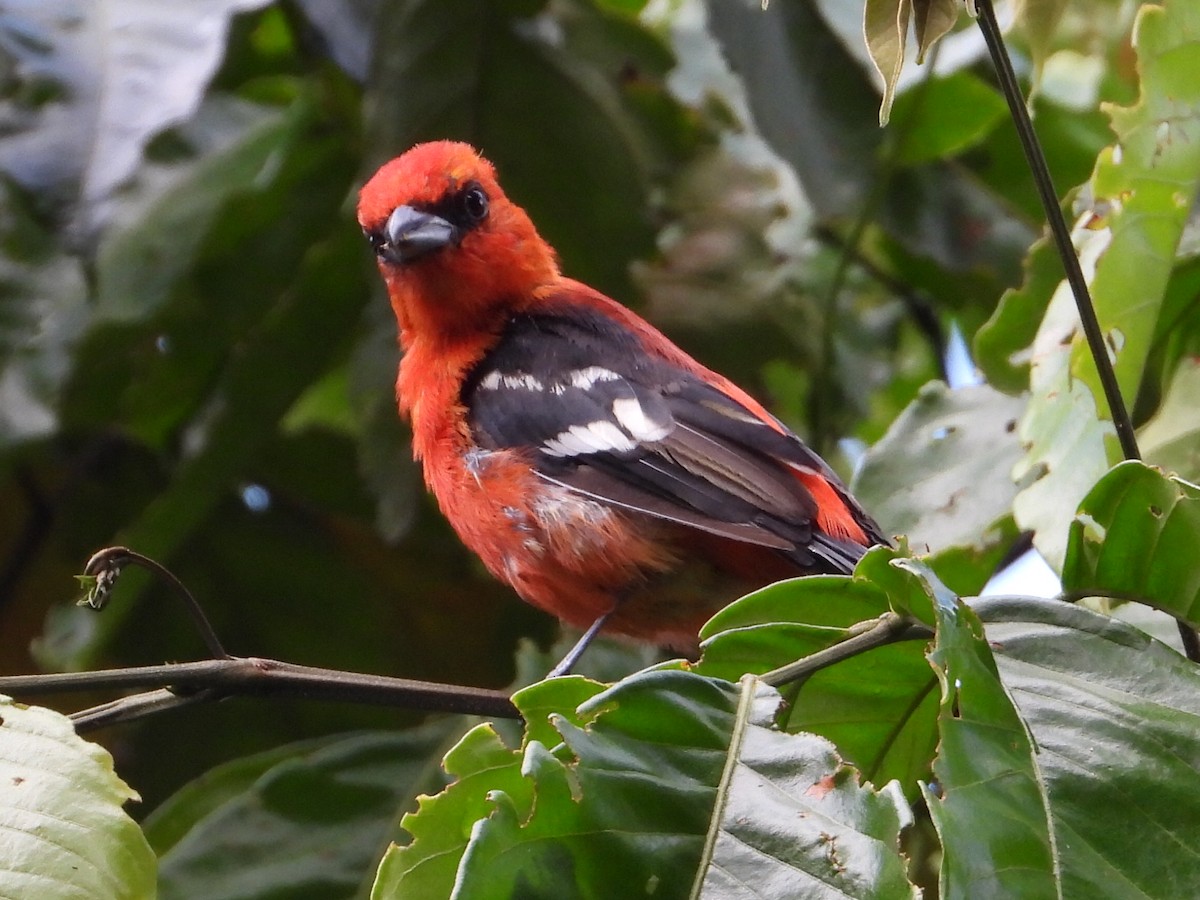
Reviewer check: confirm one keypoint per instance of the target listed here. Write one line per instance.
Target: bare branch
(181, 684)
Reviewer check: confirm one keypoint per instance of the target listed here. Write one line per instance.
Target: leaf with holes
(793, 820)
(1143, 189)
(1135, 536)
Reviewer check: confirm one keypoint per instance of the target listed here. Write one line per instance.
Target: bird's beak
(411, 233)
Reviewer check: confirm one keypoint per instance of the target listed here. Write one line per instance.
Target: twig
(889, 628)
(1066, 250)
(106, 565)
(181, 684)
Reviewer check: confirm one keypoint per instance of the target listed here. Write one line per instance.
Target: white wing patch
(584, 379)
(633, 419)
(522, 381)
(604, 436)
(600, 436)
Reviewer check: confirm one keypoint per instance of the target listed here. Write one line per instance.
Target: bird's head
(453, 249)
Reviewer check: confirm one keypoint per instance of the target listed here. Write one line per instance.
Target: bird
(594, 466)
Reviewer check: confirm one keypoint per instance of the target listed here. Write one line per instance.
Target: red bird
(592, 464)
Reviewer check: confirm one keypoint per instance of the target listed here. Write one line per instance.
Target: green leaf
(313, 818)
(941, 474)
(794, 821)
(1143, 189)
(878, 708)
(175, 816)
(1115, 717)
(43, 309)
(988, 804)
(1135, 536)
(626, 806)
(65, 831)
(944, 116)
(427, 867)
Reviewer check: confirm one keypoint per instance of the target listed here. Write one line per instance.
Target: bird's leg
(568, 662)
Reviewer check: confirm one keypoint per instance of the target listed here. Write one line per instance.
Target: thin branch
(106, 565)
(890, 628)
(215, 679)
(134, 707)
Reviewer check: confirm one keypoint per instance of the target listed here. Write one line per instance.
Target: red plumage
(589, 461)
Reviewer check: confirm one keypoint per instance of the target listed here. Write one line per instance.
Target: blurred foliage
(196, 360)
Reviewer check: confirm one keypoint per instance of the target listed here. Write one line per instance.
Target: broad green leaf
(66, 834)
(1135, 536)
(944, 116)
(940, 476)
(313, 821)
(878, 708)
(988, 804)
(629, 814)
(122, 70)
(886, 28)
(1176, 339)
(1115, 718)
(1171, 440)
(1143, 189)
(792, 819)
(794, 84)
(663, 780)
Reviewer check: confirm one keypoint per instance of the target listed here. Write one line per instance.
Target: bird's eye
(475, 203)
(378, 241)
